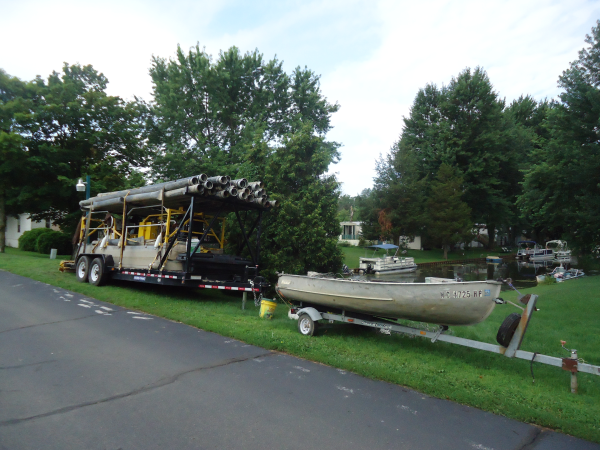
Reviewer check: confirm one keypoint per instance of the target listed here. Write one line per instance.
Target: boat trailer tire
(97, 272)
(82, 269)
(306, 325)
(507, 329)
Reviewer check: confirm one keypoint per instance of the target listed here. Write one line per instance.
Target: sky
(372, 56)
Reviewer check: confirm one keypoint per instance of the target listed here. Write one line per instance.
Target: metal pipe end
(240, 183)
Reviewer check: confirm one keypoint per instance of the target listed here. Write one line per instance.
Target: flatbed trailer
(170, 239)
(510, 334)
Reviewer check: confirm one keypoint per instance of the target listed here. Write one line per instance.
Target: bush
(60, 241)
(344, 244)
(28, 240)
(548, 279)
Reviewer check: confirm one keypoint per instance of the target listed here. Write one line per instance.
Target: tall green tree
(448, 217)
(463, 125)
(245, 117)
(302, 234)
(207, 112)
(77, 129)
(15, 118)
(477, 136)
(562, 189)
(529, 134)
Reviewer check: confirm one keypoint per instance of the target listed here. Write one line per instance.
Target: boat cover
(383, 246)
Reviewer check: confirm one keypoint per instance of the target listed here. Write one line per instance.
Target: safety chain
(258, 299)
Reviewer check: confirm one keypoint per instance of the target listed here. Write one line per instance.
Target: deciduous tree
(562, 189)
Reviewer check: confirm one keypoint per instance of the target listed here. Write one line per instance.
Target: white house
(411, 244)
(15, 227)
(351, 232)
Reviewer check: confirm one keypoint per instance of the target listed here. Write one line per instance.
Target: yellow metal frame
(147, 231)
(198, 218)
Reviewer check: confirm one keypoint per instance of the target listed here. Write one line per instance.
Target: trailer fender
(312, 312)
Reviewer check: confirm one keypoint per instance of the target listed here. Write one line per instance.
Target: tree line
(237, 114)
(466, 159)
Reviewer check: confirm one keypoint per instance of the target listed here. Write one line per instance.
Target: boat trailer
(510, 333)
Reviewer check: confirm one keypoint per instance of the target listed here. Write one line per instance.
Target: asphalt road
(77, 373)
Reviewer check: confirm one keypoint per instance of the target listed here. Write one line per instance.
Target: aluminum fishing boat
(444, 302)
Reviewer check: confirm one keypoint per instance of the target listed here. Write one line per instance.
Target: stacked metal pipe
(221, 187)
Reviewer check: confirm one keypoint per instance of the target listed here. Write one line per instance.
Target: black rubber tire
(507, 329)
(82, 269)
(306, 326)
(97, 272)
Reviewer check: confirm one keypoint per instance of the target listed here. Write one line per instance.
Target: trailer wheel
(507, 329)
(97, 275)
(82, 269)
(306, 325)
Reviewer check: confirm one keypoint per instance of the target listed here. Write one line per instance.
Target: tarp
(383, 246)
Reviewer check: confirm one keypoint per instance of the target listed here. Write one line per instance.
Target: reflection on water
(523, 273)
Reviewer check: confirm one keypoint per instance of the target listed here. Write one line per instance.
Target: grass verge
(568, 311)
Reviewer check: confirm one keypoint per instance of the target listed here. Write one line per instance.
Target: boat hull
(448, 303)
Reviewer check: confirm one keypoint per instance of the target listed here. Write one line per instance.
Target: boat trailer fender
(312, 312)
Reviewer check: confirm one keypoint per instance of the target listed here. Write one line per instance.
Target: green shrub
(56, 239)
(548, 279)
(344, 244)
(28, 240)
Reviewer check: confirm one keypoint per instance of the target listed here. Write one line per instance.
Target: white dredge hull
(447, 303)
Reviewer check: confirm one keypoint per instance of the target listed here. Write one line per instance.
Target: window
(47, 223)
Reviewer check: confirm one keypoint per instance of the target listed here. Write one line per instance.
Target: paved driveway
(77, 373)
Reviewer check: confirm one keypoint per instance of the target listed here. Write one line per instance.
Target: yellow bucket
(267, 308)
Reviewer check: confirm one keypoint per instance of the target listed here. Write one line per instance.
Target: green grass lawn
(568, 311)
(351, 255)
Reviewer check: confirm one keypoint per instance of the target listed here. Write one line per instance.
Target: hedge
(28, 240)
(56, 239)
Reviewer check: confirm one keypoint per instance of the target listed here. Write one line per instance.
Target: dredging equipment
(173, 233)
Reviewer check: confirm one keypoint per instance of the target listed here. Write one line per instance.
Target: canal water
(523, 273)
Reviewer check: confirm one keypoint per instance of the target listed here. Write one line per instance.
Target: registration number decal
(465, 294)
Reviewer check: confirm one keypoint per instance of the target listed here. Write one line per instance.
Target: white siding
(13, 232)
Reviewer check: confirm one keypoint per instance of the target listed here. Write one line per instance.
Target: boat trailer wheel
(82, 269)
(306, 325)
(507, 329)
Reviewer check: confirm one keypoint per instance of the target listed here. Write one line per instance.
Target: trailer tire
(307, 326)
(97, 272)
(507, 329)
(82, 269)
